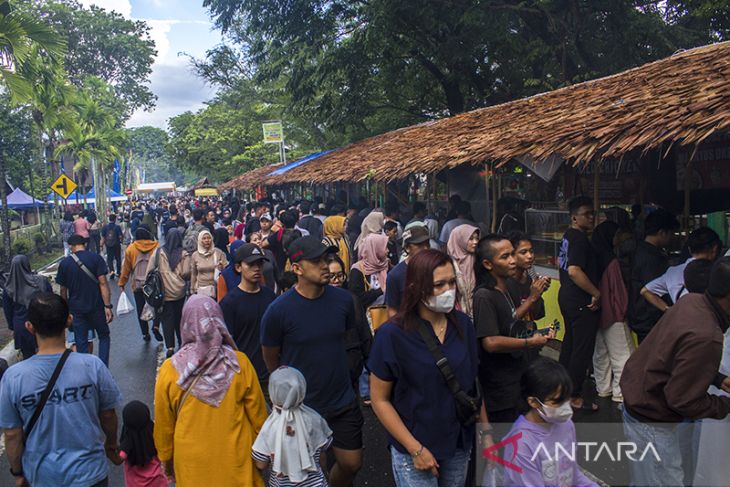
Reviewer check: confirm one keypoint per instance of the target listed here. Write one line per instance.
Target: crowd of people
(281, 320)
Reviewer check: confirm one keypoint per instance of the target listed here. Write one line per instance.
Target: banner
(273, 132)
(117, 183)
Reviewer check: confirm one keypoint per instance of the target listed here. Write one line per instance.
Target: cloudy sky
(176, 26)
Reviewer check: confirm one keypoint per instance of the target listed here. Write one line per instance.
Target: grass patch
(37, 261)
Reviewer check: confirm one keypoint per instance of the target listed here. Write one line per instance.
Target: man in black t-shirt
(502, 357)
(244, 306)
(579, 297)
(649, 262)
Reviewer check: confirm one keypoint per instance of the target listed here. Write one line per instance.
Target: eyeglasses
(338, 276)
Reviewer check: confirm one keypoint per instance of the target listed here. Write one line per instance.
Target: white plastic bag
(148, 313)
(125, 305)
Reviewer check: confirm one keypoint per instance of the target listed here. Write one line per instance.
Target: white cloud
(123, 7)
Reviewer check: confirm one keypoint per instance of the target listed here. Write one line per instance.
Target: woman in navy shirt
(429, 446)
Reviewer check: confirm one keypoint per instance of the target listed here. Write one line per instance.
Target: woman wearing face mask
(546, 390)
(429, 444)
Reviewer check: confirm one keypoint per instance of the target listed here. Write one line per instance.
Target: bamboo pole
(687, 192)
(596, 195)
(493, 174)
(486, 197)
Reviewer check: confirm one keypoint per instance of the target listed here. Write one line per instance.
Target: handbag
(377, 314)
(46, 393)
(467, 407)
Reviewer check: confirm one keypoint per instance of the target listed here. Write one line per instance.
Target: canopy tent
(20, 200)
(113, 195)
(151, 187)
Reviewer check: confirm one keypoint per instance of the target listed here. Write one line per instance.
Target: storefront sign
(273, 132)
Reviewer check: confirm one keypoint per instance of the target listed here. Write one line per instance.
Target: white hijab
(293, 432)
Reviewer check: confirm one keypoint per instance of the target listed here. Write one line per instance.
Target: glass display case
(546, 229)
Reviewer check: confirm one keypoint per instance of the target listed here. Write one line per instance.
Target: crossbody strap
(441, 362)
(84, 268)
(188, 392)
(46, 393)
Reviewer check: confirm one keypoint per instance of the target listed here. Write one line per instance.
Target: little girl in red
(137, 448)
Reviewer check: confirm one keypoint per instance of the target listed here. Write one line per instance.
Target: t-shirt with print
(395, 285)
(575, 250)
(84, 294)
(242, 312)
(311, 335)
(499, 373)
(66, 446)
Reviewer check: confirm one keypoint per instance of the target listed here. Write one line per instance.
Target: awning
(150, 187)
(206, 192)
(297, 163)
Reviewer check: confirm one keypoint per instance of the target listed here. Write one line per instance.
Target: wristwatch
(16, 474)
(109, 306)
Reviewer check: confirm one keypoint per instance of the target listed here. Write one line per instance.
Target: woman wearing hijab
(368, 275)
(372, 224)
(20, 285)
(334, 236)
(208, 399)
(174, 268)
(293, 436)
(461, 247)
(204, 262)
(220, 240)
(602, 242)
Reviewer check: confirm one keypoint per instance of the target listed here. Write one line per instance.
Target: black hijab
(220, 239)
(602, 241)
(21, 283)
(173, 247)
(136, 440)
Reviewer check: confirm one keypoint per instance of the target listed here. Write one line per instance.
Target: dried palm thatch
(679, 100)
(249, 180)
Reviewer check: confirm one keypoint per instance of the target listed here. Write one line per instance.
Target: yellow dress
(210, 446)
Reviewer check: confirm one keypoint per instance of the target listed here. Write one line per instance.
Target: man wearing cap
(244, 306)
(82, 277)
(415, 239)
(305, 328)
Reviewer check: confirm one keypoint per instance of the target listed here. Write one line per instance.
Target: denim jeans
(649, 472)
(93, 320)
(452, 472)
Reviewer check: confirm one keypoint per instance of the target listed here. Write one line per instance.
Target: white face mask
(560, 414)
(443, 303)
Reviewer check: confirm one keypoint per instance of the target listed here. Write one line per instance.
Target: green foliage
(345, 69)
(40, 242)
(21, 246)
(105, 45)
(147, 151)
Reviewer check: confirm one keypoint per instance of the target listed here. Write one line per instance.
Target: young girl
(293, 436)
(546, 389)
(137, 448)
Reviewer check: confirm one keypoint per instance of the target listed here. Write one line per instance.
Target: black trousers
(171, 317)
(114, 254)
(139, 303)
(576, 353)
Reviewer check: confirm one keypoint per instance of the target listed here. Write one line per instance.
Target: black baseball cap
(76, 239)
(309, 248)
(415, 235)
(249, 253)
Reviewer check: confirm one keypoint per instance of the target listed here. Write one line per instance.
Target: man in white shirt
(703, 243)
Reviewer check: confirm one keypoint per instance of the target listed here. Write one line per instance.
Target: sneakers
(170, 352)
(146, 337)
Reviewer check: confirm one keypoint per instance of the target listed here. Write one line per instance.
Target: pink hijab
(373, 253)
(456, 248)
(207, 348)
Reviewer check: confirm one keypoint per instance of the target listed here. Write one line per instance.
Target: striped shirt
(314, 479)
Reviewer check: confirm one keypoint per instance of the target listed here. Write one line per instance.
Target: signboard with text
(273, 132)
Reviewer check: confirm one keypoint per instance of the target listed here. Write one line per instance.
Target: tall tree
(21, 37)
(147, 149)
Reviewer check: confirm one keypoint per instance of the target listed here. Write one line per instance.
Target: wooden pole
(486, 188)
(596, 199)
(687, 192)
(493, 175)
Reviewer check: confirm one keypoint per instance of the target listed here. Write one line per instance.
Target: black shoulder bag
(467, 407)
(46, 393)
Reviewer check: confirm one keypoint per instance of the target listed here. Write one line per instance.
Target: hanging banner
(273, 132)
(117, 182)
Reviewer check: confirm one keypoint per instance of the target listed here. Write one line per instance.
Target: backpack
(111, 236)
(139, 273)
(153, 288)
(190, 240)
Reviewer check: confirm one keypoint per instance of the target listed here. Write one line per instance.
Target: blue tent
(298, 163)
(71, 198)
(113, 195)
(20, 200)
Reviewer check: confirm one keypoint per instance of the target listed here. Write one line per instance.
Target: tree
(147, 150)
(104, 45)
(360, 67)
(21, 37)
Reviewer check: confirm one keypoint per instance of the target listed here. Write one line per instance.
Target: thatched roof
(249, 180)
(681, 100)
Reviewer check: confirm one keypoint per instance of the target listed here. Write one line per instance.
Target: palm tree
(22, 39)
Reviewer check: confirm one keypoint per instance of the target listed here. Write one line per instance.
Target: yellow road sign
(63, 186)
